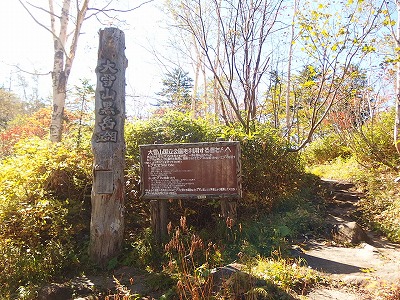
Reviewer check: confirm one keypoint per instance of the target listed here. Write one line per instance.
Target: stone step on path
(342, 199)
(341, 205)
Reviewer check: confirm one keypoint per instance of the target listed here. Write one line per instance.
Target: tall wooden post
(108, 145)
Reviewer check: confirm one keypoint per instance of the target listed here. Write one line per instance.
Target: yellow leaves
(368, 48)
(309, 83)
(342, 31)
(367, 270)
(311, 69)
(387, 22)
(350, 2)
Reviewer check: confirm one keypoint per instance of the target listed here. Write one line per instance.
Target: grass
(339, 168)
(290, 275)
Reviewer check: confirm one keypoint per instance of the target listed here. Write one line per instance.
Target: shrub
(339, 168)
(174, 127)
(287, 274)
(325, 149)
(22, 127)
(373, 145)
(381, 207)
(373, 164)
(269, 172)
(42, 212)
(76, 131)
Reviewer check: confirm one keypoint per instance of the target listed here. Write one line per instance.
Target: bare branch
(28, 72)
(103, 10)
(33, 17)
(42, 9)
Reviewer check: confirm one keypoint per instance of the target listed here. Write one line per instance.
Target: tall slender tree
(289, 66)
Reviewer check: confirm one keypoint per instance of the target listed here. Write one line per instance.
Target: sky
(26, 44)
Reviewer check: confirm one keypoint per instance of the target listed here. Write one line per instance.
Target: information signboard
(191, 170)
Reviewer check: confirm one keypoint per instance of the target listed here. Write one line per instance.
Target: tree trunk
(57, 115)
(63, 60)
(59, 76)
(108, 144)
(289, 71)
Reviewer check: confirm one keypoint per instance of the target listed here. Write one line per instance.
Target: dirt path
(362, 271)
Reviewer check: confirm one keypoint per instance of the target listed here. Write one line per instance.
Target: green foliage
(191, 260)
(273, 231)
(372, 162)
(42, 212)
(11, 107)
(287, 274)
(44, 203)
(339, 168)
(373, 143)
(325, 149)
(370, 144)
(261, 233)
(381, 207)
(269, 171)
(177, 86)
(174, 127)
(142, 250)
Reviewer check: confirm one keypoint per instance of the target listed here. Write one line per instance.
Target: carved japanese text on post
(107, 75)
(201, 170)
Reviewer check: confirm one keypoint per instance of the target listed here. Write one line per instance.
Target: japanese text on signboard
(190, 170)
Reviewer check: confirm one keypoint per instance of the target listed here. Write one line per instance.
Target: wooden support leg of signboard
(163, 205)
(229, 211)
(155, 219)
(159, 219)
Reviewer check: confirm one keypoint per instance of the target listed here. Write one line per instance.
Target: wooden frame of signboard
(190, 171)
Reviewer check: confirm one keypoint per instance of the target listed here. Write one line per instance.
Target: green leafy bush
(269, 172)
(174, 127)
(42, 212)
(287, 274)
(381, 206)
(325, 149)
(273, 231)
(373, 144)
